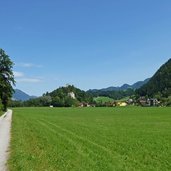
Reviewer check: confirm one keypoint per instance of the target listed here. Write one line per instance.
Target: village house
(84, 105)
(122, 104)
(148, 101)
(153, 102)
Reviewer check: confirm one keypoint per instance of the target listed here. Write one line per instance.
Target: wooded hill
(114, 94)
(69, 96)
(61, 97)
(160, 84)
(118, 93)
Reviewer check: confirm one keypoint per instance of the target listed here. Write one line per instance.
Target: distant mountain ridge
(134, 86)
(21, 96)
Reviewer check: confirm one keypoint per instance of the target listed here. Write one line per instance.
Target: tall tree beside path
(6, 78)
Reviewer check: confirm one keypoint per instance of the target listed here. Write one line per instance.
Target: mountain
(139, 84)
(22, 96)
(159, 84)
(123, 87)
(68, 96)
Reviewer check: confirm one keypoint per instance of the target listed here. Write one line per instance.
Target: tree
(6, 78)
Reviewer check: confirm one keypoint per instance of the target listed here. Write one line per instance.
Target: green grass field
(103, 99)
(91, 139)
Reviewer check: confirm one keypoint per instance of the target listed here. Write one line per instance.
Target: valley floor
(97, 139)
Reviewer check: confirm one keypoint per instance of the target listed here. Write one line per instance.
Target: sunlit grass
(97, 139)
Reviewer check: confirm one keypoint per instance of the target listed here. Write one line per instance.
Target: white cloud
(21, 78)
(29, 65)
(18, 74)
(28, 80)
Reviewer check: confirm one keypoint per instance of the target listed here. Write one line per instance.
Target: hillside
(123, 87)
(69, 96)
(159, 84)
(22, 96)
(62, 97)
(116, 95)
(103, 99)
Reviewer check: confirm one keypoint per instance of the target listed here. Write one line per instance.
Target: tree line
(6, 79)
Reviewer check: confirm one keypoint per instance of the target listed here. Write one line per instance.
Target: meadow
(91, 139)
(103, 99)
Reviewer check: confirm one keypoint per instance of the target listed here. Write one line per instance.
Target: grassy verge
(1, 113)
(96, 139)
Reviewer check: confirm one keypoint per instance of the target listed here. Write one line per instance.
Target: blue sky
(88, 43)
